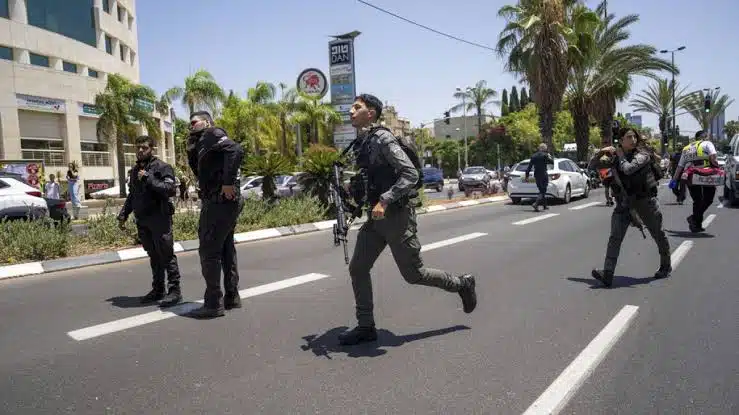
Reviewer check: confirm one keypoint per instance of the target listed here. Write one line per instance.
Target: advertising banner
(40, 103)
(32, 171)
(88, 110)
(343, 88)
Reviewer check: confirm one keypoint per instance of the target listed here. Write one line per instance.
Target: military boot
(231, 301)
(358, 335)
(468, 293)
(665, 269)
(153, 296)
(206, 313)
(173, 297)
(606, 277)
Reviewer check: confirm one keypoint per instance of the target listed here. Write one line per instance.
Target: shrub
(22, 241)
(103, 231)
(258, 214)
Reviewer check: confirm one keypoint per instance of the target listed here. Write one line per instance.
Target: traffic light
(446, 117)
(707, 103)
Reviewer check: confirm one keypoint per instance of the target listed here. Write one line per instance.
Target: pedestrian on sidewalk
(539, 162)
(215, 160)
(151, 184)
(635, 189)
(391, 184)
(51, 188)
(699, 163)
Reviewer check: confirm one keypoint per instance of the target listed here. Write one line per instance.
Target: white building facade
(444, 131)
(55, 56)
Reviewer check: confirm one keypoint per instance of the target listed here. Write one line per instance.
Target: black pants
(217, 250)
(542, 183)
(155, 234)
(702, 199)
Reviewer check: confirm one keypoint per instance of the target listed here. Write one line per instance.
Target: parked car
(57, 208)
(566, 180)
(251, 186)
(21, 201)
(433, 178)
(474, 178)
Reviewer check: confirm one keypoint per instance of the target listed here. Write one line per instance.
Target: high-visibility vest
(697, 157)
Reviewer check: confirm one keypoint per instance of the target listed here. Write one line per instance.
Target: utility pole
(672, 129)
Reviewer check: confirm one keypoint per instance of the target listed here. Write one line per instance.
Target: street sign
(343, 87)
(312, 82)
(144, 104)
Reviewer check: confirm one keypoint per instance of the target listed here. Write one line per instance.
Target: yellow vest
(702, 159)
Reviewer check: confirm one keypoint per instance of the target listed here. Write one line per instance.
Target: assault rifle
(636, 220)
(342, 205)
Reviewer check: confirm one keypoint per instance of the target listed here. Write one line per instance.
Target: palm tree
(540, 43)
(119, 110)
(693, 104)
(657, 99)
(201, 92)
(314, 113)
(476, 98)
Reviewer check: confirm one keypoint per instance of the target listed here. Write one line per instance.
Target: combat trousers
(397, 230)
(155, 234)
(648, 210)
(217, 250)
(542, 184)
(702, 200)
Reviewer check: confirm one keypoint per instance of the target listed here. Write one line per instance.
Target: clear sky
(244, 41)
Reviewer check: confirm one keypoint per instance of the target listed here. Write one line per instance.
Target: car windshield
(474, 170)
(524, 166)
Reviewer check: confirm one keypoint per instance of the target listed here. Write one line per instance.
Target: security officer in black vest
(215, 159)
(634, 167)
(391, 180)
(151, 184)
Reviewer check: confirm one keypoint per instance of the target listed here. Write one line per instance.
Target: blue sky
(244, 41)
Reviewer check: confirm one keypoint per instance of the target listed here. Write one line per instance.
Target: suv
(433, 178)
(474, 178)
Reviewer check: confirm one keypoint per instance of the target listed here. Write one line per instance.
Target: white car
(251, 186)
(19, 200)
(566, 180)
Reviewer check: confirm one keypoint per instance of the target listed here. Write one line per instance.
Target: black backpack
(409, 147)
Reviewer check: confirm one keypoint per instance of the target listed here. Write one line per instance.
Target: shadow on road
(328, 342)
(123, 301)
(688, 234)
(619, 281)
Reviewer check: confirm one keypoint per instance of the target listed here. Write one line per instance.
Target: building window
(130, 22)
(69, 67)
(108, 44)
(120, 13)
(106, 6)
(4, 9)
(71, 18)
(6, 52)
(123, 52)
(92, 73)
(39, 60)
(133, 58)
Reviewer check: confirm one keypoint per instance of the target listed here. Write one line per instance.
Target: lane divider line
(586, 205)
(707, 221)
(535, 219)
(679, 253)
(558, 394)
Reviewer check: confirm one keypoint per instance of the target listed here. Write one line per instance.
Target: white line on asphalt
(554, 399)
(679, 253)
(586, 205)
(707, 221)
(720, 204)
(536, 219)
(163, 314)
(158, 315)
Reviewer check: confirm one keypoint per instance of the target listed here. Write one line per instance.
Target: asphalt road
(77, 342)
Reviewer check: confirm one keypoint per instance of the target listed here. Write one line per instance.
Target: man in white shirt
(52, 188)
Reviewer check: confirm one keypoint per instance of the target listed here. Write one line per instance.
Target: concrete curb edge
(61, 264)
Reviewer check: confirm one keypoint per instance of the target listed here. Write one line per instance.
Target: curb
(61, 264)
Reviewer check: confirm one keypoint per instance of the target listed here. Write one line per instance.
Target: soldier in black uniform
(151, 184)
(215, 159)
(539, 162)
(391, 182)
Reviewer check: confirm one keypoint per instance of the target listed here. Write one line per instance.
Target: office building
(444, 131)
(55, 56)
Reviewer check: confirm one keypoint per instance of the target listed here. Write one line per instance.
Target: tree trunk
(546, 126)
(121, 167)
(582, 129)
(283, 124)
(606, 130)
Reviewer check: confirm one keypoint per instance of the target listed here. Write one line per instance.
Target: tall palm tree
(201, 92)
(657, 99)
(693, 104)
(314, 113)
(119, 114)
(475, 98)
(540, 43)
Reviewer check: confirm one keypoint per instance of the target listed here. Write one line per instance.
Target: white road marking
(586, 205)
(535, 219)
(29, 268)
(163, 314)
(554, 399)
(707, 221)
(132, 253)
(679, 253)
(720, 204)
(447, 242)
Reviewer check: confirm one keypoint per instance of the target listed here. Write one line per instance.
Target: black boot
(664, 271)
(468, 293)
(153, 296)
(206, 313)
(606, 277)
(173, 297)
(358, 335)
(231, 301)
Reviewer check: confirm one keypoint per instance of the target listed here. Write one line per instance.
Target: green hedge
(22, 241)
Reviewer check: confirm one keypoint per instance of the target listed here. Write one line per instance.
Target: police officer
(539, 162)
(215, 160)
(151, 184)
(635, 189)
(391, 181)
(699, 154)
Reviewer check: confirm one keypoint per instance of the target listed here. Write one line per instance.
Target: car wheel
(516, 200)
(587, 190)
(568, 194)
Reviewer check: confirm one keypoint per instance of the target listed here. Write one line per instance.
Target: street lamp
(464, 107)
(674, 121)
